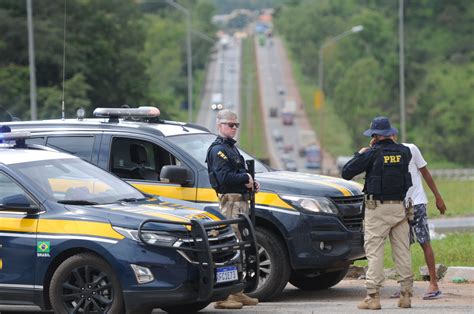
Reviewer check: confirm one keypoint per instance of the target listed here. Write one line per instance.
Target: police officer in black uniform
(232, 183)
(387, 180)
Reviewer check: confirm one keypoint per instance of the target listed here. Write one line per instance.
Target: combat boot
(371, 302)
(228, 305)
(242, 298)
(405, 299)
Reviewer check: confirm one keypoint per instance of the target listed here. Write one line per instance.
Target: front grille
(353, 223)
(224, 237)
(348, 200)
(350, 210)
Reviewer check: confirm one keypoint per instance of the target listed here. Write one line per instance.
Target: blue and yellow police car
(77, 239)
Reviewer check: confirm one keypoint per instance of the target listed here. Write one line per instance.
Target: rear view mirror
(175, 174)
(18, 202)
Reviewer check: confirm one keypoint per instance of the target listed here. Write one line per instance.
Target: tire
(186, 308)
(85, 283)
(274, 268)
(321, 282)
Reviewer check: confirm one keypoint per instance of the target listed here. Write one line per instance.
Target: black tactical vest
(236, 162)
(388, 177)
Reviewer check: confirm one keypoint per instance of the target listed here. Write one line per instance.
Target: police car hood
(298, 183)
(132, 214)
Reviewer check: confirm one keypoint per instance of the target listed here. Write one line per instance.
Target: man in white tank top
(417, 168)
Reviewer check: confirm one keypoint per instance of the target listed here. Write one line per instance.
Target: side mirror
(18, 203)
(175, 174)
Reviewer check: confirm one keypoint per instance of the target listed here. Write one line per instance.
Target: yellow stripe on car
(89, 228)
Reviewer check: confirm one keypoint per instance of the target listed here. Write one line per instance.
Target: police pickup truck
(76, 239)
(308, 227)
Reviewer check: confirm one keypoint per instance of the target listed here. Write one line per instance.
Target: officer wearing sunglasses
(230, 180)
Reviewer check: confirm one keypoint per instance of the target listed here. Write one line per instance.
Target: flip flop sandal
(432, 295)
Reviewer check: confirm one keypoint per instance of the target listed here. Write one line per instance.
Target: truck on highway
(216, 101)
(288, 112)
(306, 138)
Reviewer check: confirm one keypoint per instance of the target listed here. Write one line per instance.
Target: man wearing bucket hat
(387, 181)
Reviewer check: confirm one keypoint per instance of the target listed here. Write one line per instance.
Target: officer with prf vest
(230, 180)
(387, 180)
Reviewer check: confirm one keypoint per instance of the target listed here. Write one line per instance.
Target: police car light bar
(141, 112)
(7, 135)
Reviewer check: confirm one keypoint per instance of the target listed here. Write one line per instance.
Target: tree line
(117, 52)
(362, 71)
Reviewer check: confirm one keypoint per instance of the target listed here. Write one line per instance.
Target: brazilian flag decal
(42, 247)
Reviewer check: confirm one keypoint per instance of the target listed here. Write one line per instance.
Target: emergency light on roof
(18, 136)
(141, 112)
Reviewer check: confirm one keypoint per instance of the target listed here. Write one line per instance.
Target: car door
(139, 162)
(18, 246)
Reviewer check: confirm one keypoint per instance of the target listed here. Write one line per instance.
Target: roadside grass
(329, 128)
(454, 250)
(252, 132)
(458, 196)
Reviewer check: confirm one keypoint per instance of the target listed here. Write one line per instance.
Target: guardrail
(453, 174)
(456, 174)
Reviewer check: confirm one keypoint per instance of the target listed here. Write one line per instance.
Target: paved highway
(223, 77)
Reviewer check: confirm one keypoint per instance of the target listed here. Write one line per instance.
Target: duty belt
(244, 197)
(382, 199)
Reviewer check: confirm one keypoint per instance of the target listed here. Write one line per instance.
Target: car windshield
(74, 181)
(197, 144)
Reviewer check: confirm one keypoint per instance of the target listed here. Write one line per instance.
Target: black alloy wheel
(85, 283)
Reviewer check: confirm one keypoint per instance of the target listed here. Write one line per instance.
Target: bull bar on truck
(203, 250)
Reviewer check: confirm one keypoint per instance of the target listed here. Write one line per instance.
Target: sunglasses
(232, 124)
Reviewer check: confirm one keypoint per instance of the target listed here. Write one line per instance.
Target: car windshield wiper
(131, 199)
(77, 202)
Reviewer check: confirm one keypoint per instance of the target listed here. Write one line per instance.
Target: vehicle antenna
(64, 61)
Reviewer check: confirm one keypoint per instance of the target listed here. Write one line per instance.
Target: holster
(370, 202)
(410, 211)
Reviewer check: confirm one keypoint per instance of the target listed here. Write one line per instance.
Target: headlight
(313, 204)
(150, 237)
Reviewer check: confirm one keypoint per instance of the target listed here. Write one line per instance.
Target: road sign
(318, 99)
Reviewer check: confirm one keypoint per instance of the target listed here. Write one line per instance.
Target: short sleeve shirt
(416, 191)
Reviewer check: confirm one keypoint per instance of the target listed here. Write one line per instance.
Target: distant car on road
(313, 157)
(273, 112)
(291, 165)
(216, 102)
(288, 147)
(277, 136)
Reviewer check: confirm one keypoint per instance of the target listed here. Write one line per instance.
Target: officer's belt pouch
(213, 180)
(370, 202)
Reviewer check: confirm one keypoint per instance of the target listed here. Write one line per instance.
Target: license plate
(225, 274)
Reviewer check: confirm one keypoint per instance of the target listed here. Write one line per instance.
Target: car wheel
(274, 266)
(85, 283)
(324, 281)
(186, 308)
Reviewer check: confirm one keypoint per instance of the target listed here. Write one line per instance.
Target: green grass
(454, 250)
(457, 195)
(252, 133)
(330, 129)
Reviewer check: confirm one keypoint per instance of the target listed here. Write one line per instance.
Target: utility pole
(189, 54)
(402, 70)
(31, 58)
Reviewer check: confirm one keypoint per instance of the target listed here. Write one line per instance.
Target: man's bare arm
(432, 185)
